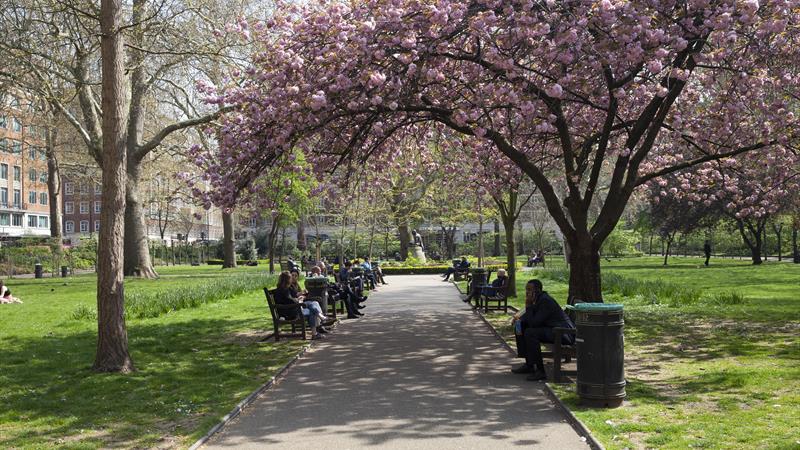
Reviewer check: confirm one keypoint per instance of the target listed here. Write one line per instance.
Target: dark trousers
(707, 258)
(450, 271)
(529, 345)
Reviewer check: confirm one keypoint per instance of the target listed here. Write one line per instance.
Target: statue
(417, 239)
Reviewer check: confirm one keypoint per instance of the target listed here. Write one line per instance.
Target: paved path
(418, 371)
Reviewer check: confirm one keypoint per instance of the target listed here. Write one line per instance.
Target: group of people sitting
(349, 288)
(5, 295)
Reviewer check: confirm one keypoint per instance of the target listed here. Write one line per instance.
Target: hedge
(423, 270)
(240, 262)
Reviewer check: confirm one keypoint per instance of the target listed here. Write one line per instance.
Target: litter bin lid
(590, 307)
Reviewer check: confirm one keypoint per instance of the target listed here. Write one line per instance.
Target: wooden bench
(471, 295)
(461, 275)
(559, 350)
(497, 295)
(278, 311)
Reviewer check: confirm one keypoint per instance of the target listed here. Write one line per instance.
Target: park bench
(279, 312)
(461, 274)
(559, 350)
(498, 295)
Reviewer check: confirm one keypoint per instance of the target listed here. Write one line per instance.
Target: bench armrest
(289, 308)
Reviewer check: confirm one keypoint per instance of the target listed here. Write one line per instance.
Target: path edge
(573, 420)
(248, 400)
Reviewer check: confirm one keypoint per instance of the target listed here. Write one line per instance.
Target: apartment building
(24, 209)
(175, 218)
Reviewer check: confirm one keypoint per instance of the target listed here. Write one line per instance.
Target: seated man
(542, 314)
(462, 266)
(351, 286)
(369, 273)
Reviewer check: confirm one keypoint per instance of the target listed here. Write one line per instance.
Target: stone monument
(417, 248)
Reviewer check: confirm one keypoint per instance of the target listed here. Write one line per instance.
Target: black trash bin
(317, 288)
(600, 350)
(479, 280)
(37, 270)
(64, 271)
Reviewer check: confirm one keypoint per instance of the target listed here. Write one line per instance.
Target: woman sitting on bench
(286, 295)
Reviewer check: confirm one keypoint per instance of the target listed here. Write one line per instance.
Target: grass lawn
(193, 365)
(702, 374)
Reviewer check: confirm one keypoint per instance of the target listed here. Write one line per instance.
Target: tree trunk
(371, 240)
(228, 245)
(778, 229)
(273, 236)
(302, 244)
(137, 249)
(795, 253)
(650, 246)
(112, 336)
(511, 256)
(764, 244)
(405, 239)
(480, 238)
(668, 248)
(753, 244)
(53, 184)
(584, 263)
(496, 249)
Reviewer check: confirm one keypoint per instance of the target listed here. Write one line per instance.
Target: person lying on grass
(5, 295)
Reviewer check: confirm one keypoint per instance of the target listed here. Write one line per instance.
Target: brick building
(24, 208)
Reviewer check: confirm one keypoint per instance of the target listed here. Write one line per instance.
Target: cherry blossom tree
(750, 191)
(634, 90)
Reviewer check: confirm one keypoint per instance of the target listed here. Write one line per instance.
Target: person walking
(707, 250)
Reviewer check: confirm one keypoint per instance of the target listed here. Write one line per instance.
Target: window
(85, 208)
(17, 173)
(4, 171)
(84, 188)
(96, 225)
(4, 196)
(3, 122)
(16, 125)
(33, 221)
(3, 145)
(5, 219)
(253, 222)
(69, 208)
(32, 175)
(44, 222)
(16, 147)
(16, 220)
(43, 177)
(69, 226)
(84, 226)
(32, 197)
(97, 207)
(98, 189)
(31, 152)
(69, 189)
(43, 198)
(17, 198)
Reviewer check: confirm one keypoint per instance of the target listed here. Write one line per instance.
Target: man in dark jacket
(538, 322)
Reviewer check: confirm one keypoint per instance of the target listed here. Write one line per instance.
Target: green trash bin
(479, 279)
(600, 350)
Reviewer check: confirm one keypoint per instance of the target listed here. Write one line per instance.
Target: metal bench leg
(557, 358)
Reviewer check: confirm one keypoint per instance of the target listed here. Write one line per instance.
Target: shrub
(725, 298)
(239, 262)
(648, 291)
(153, 303)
